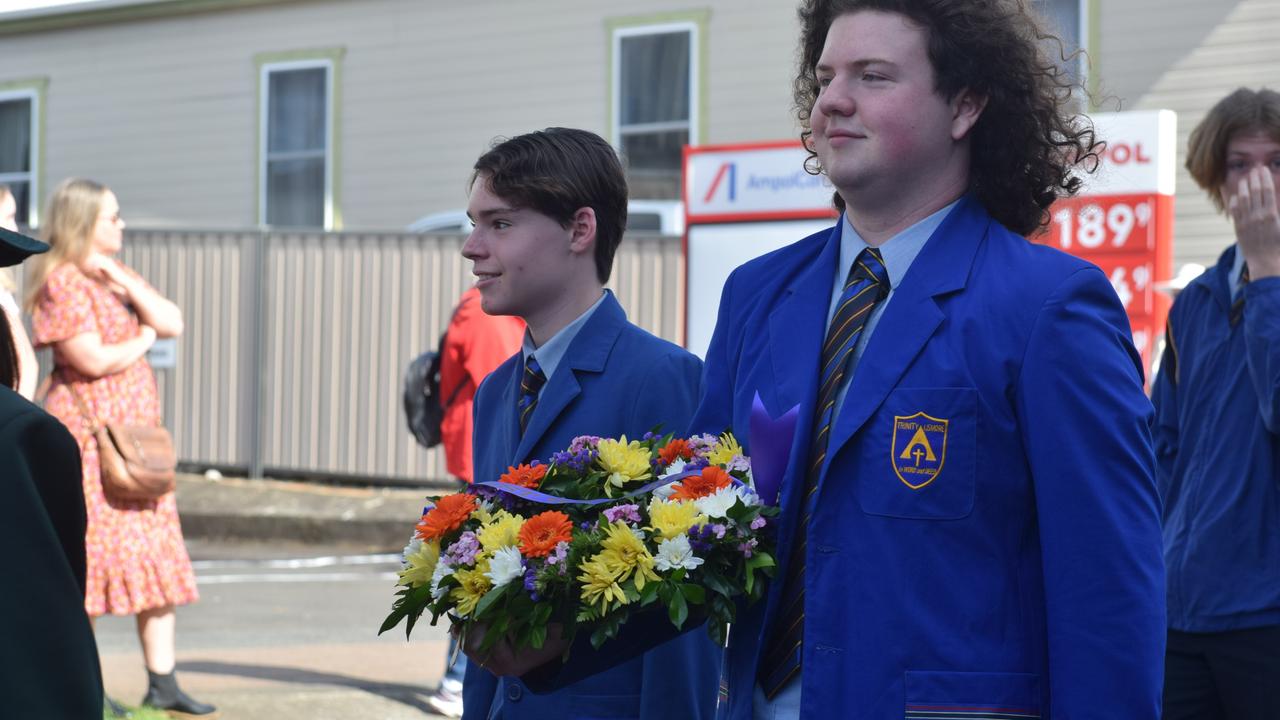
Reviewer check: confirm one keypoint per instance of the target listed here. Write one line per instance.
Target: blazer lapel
(589, 352)
(911, 318)
(796, 329)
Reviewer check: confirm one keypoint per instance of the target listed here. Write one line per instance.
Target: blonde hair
(6, 280)
(68, 228)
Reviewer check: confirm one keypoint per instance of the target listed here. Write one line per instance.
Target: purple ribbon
(770, 442)
(543, 498)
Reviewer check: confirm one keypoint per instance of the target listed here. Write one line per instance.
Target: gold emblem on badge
(919, 448)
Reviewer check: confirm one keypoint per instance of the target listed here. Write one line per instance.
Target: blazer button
(514, 691)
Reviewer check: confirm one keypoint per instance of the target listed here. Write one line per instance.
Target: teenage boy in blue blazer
(970, 521)
(549, 210)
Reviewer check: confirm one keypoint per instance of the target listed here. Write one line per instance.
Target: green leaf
(694, 593)
(715, 582)
(538, 636)
(756, 562)
(489, 599)
(678, 610)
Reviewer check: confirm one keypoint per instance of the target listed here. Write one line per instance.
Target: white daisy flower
(505, 566)
(676, 553)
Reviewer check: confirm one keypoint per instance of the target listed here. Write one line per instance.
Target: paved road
(284, 632)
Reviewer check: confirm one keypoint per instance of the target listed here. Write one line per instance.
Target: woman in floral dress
(100, 318)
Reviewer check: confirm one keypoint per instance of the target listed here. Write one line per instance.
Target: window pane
(653, 163)
(1063, 20)
(15, 136)
(295, 193)
(654, 78)
(22, 196)
(296, 110)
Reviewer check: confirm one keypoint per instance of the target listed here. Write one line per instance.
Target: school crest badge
(919, 448)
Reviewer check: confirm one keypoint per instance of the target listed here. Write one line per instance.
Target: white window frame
(264, 84)
(32, 176)
(694, 73)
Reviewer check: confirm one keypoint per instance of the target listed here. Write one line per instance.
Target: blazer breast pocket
(918, 455)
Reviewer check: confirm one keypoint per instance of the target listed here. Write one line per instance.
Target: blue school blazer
(615, 379)
(986, 539)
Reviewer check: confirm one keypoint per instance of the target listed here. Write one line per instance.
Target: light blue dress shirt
(553, 350)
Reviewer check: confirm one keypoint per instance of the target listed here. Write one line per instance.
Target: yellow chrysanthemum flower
(600, 585)
(473, 586)
(624, 461)
(625, 553)
(421, 564)
(503, 530)
(725, 450)
(671, 519)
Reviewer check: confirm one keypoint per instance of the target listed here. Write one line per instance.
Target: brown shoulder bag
(137, 462)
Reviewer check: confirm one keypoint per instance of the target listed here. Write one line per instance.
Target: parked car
(664, 217)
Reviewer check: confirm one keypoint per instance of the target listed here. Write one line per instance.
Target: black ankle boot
(163, 693)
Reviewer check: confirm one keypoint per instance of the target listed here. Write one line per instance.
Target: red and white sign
(1122, 221)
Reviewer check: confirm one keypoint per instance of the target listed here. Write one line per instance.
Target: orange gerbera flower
(529, 476)
(677, 448)
(448, 515)
(541, 533)
(711, 480)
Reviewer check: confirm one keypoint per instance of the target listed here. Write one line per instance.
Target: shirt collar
(553, 350)
(1237, 267)
(898, 251)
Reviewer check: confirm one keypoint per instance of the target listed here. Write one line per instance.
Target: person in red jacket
(475, 343)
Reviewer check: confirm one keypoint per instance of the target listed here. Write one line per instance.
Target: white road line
(293, 577)
(299, 563)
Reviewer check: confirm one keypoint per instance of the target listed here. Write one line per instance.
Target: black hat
(14, 248)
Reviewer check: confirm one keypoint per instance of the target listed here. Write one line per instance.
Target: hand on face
(1257, 222)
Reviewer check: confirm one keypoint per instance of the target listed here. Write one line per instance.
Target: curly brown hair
(1027, 141)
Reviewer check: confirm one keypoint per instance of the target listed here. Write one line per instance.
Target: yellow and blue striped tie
(1237, 306)
(530, 384)
(867, 285)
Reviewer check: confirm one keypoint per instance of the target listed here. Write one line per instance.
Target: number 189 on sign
(1103, 224)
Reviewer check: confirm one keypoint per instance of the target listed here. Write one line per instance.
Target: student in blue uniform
(970, 522)
(970, 525)
(549, 210)
(1217, 433)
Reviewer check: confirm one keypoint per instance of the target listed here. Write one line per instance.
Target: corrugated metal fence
(296, 342)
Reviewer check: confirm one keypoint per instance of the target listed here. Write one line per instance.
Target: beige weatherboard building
(239, 133)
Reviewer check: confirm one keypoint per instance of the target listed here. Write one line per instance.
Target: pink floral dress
(137, 558)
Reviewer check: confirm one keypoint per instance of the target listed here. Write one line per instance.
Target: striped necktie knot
(531, 383)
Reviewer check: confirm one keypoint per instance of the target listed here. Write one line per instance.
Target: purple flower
(627, 513)
(700, 538)
(718, 529)
(558, 556)
(531, 582)
(748, 548)
(650, 436)
(463, 551)
(758, 523)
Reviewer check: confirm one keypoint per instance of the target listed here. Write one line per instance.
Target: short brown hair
(557, 172)
(1027, 142)
(1244, 110)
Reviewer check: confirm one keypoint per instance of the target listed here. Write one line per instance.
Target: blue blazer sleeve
(1086, 425)
(1262, 344)
(715, 403)
(1164, 396)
